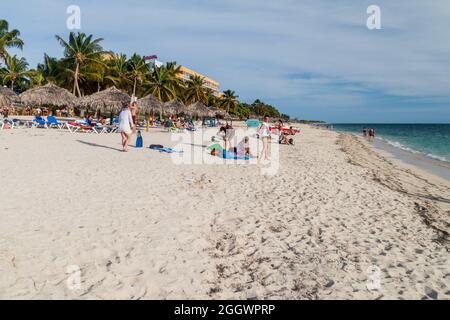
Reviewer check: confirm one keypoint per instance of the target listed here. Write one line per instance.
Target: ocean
(413, 143)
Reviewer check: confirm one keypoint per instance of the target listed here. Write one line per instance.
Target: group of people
(369, 133)
(264, 133)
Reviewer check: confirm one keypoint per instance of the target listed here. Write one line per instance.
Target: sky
(312, 59)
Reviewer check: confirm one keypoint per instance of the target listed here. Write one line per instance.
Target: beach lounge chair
(99, 129)
(79, 126)
(40, 122)
(72, 127)
(52, 122)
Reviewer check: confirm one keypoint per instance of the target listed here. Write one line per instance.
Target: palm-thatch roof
(8, 98)
(199, 109)
(48, 95)
(175, 107)
(108, 100)
(150, 104)
(219, 112)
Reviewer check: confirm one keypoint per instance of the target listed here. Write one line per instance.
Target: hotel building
(186, 74)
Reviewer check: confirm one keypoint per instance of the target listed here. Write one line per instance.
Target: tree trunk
(75, 80)
(78, 89)
(134, 88)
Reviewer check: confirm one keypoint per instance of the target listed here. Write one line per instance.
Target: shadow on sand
(99, 146)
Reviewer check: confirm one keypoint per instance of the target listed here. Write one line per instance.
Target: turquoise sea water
(430, 140)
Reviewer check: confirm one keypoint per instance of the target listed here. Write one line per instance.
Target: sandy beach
(336, 221)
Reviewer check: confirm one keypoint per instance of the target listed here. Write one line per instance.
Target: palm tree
(163, 84)
(137, 70)
(116, 72)
(37, 78)
(229, 100)
(211, 99)
(8, 39)
(80, 51)
(16, 70)
(195, 90)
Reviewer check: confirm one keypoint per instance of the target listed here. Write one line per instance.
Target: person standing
(126, 127)
(264, 133)
(134, 114)
(372, 134)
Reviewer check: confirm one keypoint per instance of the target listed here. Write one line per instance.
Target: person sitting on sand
(243, 148)
(126, 127)
(285, 140)
(216, 152)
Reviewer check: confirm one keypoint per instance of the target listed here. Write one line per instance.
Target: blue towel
(233, 156)
(166, 150)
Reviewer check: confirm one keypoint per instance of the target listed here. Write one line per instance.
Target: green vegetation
(86, 68)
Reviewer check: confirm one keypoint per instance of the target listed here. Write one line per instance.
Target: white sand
(139, 226)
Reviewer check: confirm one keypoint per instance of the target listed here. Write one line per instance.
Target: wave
(398, 145)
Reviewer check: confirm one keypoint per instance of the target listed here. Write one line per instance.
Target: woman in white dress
(126, 127)
(264, 133)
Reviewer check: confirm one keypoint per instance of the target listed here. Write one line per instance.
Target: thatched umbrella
(49, 95)
(199, 109)
(219, 112)
(150, 104)
(175, 107)
(8, 98)
(109, 100)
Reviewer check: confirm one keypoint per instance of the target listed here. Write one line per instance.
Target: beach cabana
(219, 112)
(199, 109)
(109, 100)
(49, 95)
(175, 107)
(150, 104)
(8, 98)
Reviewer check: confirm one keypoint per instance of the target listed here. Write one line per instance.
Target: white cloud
(253, 46)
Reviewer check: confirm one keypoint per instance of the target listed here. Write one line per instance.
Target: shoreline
(419, 160)
(430, 192)
(434, 166)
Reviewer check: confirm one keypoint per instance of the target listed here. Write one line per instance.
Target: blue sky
(312, 59)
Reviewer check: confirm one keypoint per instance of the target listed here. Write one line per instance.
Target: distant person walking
(126, 127)
(372, 134)
(365, 132)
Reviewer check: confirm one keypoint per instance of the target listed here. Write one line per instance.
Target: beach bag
(139, 140)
